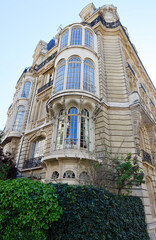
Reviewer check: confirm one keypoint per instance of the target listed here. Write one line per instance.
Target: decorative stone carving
(109, 13)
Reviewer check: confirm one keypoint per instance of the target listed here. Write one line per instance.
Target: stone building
(86, 90)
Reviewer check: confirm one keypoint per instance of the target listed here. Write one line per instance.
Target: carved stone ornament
(109, 13)
(97, 110)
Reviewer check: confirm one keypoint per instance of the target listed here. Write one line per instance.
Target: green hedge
(30, 210)
(90, 213)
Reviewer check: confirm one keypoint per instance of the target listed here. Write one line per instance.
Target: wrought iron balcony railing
(32, 162)
(45, 86)
(146, 157)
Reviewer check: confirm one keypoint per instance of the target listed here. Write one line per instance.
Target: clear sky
(24, 23)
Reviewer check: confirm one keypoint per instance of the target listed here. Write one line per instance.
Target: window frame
(26, 89)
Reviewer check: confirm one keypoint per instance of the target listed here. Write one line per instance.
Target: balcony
(50, 83)
(32, 162)
(146, 157)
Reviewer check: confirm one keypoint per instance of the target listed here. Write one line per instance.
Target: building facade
(87, 90)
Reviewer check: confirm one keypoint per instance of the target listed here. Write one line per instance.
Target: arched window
(64, 39)
(72, 124)
(60, 130)
(19, 118)
(60, 76)
(84, 132)
(76, 36)
(26, 89)
(69, 174)
(74, 73)
(89, 39)
(55, 175)
(88, 76)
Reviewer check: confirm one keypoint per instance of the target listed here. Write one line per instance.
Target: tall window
(88, 76)
(38, 148)
(64, 40)
(19, 118)
(72, 124)
(84, 132)
(89, 39)
(76, 36)
(60, 130)
(26, 89)
(60, 76)
(74, 73)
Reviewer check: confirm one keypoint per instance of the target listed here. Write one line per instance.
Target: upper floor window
(89, 39)
(64, 39)
(74, 73)
(19, 118)
(60, 76)
(76, 36)
(88, 78)
(26, 89)
(72, 122)
(38, 148)
(73, 129)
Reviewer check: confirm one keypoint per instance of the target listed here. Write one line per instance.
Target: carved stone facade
(84, 93)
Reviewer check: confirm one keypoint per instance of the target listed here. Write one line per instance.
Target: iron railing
(37, 67)
(32, 162)
(146, 157)
(45, 86)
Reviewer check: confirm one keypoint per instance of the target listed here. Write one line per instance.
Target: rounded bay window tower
(73, 104)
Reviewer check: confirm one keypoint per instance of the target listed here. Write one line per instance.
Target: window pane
(60, 76)
(88, 38)
(19, 118)
(64, 40)
(88, 76)
(76, 36)
(26, 89)
(84, 133)
(39, 148)
(74, 73)
(71, 135)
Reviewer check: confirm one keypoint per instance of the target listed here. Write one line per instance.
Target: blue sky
(24, 23)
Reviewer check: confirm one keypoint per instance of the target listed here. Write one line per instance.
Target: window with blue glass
(64, 39)
(26, 89)
(60, 129)
(19, 118)
(74, 73)
(89, 42)
(84, 131)
(60, 76)
(88, 76)
(76, 36)
(72, 124)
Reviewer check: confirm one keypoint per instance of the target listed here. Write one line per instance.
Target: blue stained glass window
(76, 36)
(60, 76)
(74, 73)
(71, 137)
(19, 118)
(88, 76)
(26, 89)
(89, 42)
(64, 39)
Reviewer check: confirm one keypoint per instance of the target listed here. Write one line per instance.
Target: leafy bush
(96, 214)
(27, 210)
(7, 166)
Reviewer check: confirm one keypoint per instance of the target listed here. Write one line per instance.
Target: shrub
(96, 214)
(27, 210)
